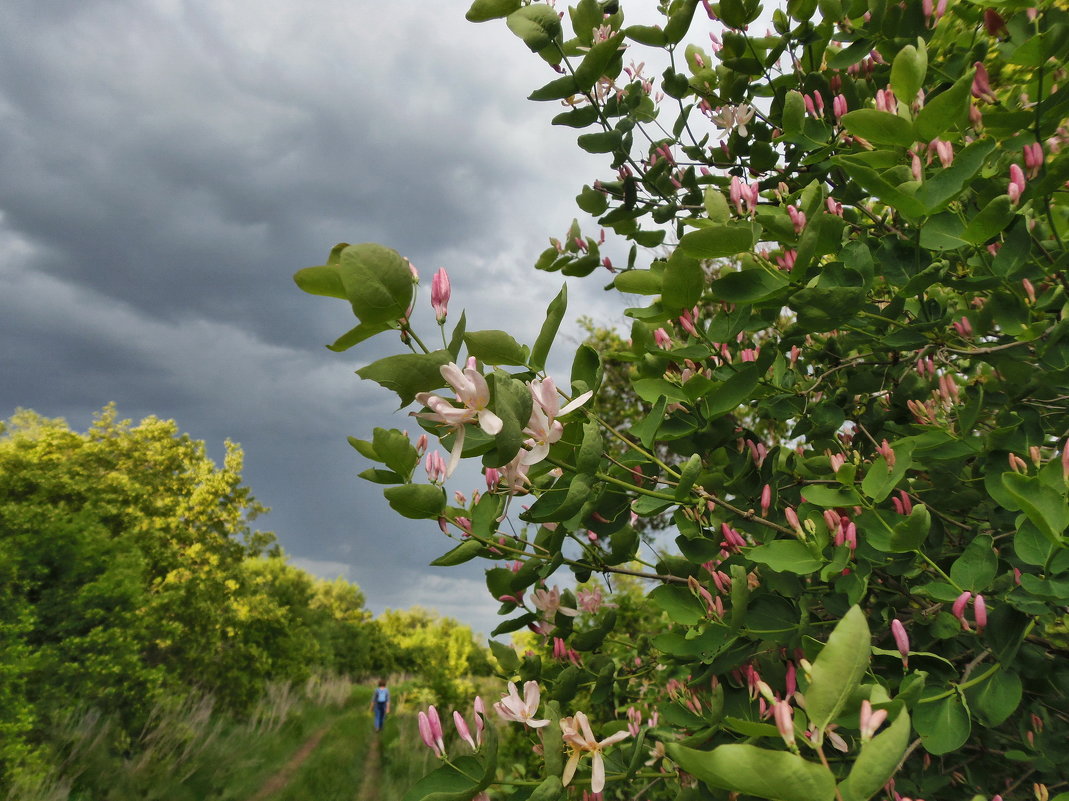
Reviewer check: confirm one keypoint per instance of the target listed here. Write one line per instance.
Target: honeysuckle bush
(848, 232)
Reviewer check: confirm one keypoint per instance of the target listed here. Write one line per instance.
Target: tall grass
(184, 752)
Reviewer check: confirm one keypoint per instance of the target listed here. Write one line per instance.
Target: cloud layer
(168, 164)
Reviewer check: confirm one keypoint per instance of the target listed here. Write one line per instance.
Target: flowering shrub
(850, 232)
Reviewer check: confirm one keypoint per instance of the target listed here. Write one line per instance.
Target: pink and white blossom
(521, 710)
(471, 391)
(580, 739)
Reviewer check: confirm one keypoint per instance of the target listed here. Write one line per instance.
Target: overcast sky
(168, 164)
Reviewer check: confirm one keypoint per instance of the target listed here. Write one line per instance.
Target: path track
(369, 783)
(283, 777)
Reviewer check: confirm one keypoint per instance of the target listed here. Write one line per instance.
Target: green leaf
(994, 700)
(537, 25)
(554, 315)
(716, 206)
(592, 201)
(653, 389)
(749, 770)
(469, 767)
(838, 668)
(601, 142)
(975, 569)
(943, 725)
(356, 335)
(639, 282)
(416, 501)
(511, 401)
(324, 280)
(483, 10)
(378, 476)
(879, 127)
(688, 475)
(464, 552)
(793, 116)
(874, 183)
(495, 347)
(990, 221)
(377, 281)
(877, 761)
(785, 556)
(364, 448)
(646, 35)
(943, 232)
(880, 482)
(733, 392)
(948, 183)
(1046, 508)
(457, 339)
(829, 496)
(907, 72)
(679, 603)
(911, 532)
(408, 373)
(550, 789)
(395, 451)
(578, 117)
(717, 241)
(946, 110)
(684, 281)
(557, 89)
(647, 428)
(748, 286)
(598, 60)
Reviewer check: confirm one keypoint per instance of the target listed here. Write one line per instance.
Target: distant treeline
(130, 576)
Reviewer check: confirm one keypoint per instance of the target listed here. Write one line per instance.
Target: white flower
(512, 707)
(473, 392)
(581, 739)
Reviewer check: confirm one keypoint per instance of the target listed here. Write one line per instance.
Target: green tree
(440, 650)
(122, 552)
(855, 346)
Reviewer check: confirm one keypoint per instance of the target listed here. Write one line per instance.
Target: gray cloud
(169, 163)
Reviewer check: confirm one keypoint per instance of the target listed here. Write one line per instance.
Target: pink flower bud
(430, 730)
(916, 168)
(1029, 290)
(885, 101)
(440, 292)
(870, 720)
(493, 476)
(462, 728)
(958, 609)
(781, 711)
(766, 499)
(1017, 184)
(435, 466)
(898, 631)
(981, 84)
(1033, 158)
(945, 151)
(792, 519)
(839, 107)
(1065, 460)
(662, 338)
(979, 612)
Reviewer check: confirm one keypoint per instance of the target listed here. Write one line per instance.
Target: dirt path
(372, 764)
(282, 777)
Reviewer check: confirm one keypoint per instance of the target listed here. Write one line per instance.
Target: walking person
(380, 704)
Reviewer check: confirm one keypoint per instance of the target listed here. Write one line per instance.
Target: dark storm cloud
(168, 164)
